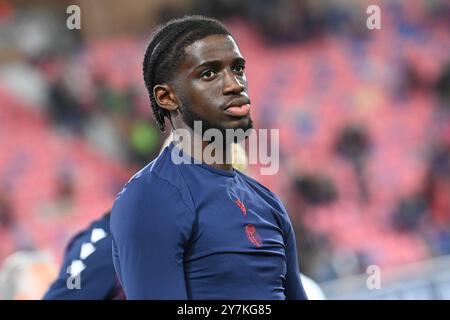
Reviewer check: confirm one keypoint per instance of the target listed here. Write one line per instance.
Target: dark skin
(209, 79)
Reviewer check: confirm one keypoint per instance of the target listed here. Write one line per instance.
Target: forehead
(213, 47)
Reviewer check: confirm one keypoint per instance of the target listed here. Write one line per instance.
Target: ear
(165, 97)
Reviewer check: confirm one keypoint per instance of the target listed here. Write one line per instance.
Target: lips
(239, 111)
(238, 108)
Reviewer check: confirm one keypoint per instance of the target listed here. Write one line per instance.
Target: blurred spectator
(353, 144)
(104, 133)
(437, 185)
(409, 213)
(443, 86)
(6, 211)
(26, 275)
(346, 262)
(144, 141)
(315, 189)
(64, 194)
(64, 108)
(65, 187)
(315, 253)
(10, 225)
(113, 100)
(26, 82)
(428, 211)
(413, 79)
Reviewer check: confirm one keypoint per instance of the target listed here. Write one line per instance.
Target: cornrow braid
(165, 53)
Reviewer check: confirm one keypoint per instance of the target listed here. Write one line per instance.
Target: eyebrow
(215, 64)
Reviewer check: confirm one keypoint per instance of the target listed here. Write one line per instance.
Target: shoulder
(147, 200)
(158, 182)
(155, 197)
(96, 231)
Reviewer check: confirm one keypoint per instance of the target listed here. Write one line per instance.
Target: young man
(196, 230)
(87, 271)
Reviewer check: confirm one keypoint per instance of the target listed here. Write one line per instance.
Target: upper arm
(151, 225)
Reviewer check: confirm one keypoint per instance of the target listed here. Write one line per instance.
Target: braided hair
(165, 53)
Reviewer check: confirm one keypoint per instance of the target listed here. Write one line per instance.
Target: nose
(232, 85)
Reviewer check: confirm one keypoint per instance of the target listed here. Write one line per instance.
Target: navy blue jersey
(190, 231)
(88, 271)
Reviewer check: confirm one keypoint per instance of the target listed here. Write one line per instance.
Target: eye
(239, 69)
(208, 74)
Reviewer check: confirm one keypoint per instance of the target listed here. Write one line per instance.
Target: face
(211, 85)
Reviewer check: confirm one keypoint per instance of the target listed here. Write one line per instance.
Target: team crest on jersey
(252, 235)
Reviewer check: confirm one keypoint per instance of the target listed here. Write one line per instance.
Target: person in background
(25, 275)
(87, 271)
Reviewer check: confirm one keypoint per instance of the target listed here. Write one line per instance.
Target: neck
(216, 155)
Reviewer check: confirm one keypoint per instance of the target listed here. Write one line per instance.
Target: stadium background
(364, 119)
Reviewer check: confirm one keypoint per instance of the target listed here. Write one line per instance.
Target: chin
(243, 123)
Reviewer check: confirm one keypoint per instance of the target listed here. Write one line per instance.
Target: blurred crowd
(364, 119)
